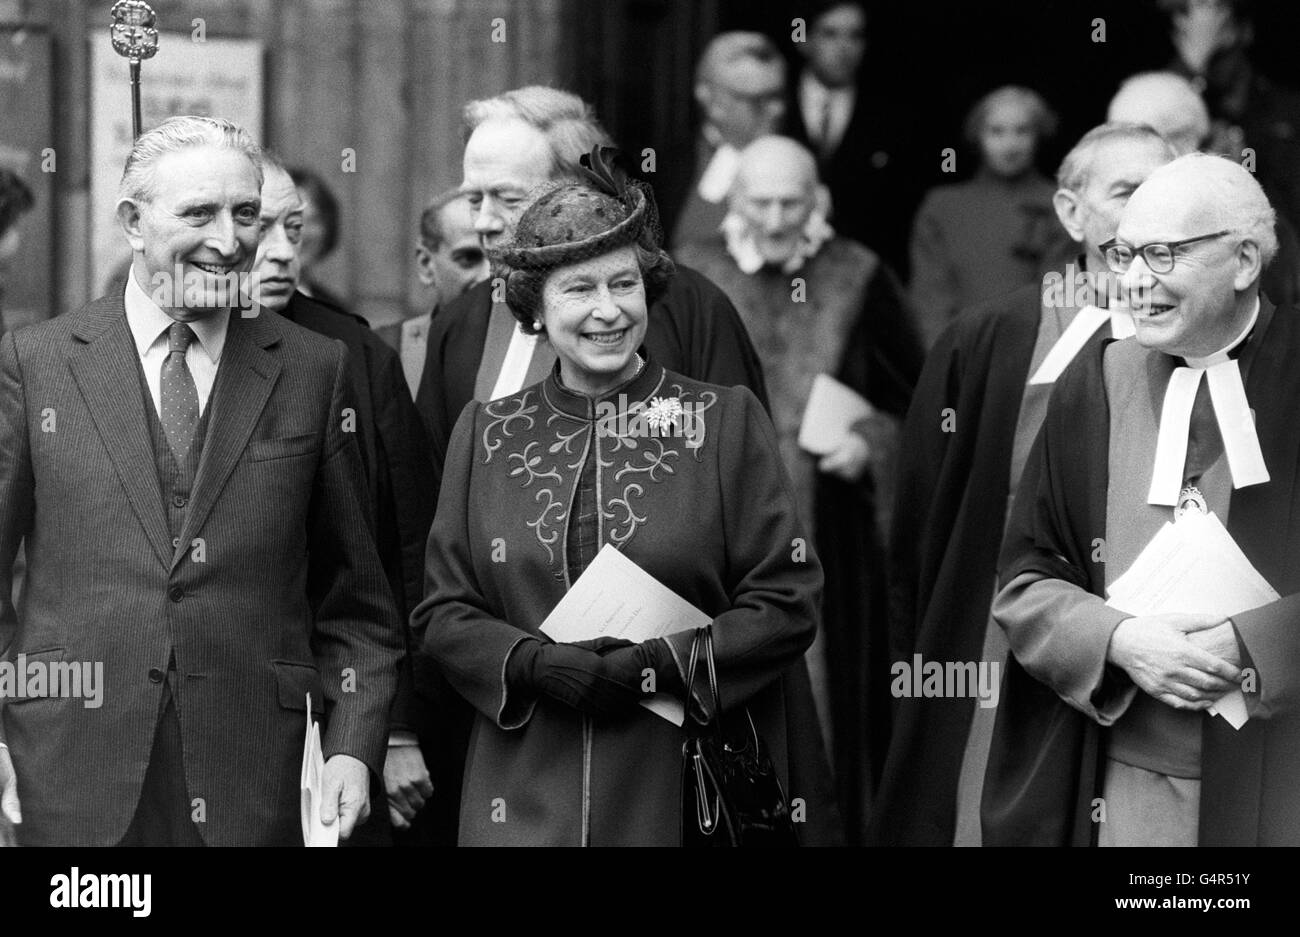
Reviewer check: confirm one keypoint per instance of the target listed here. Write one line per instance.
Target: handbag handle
(704, 637)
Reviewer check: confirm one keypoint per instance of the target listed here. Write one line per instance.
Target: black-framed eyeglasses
(1159, 255)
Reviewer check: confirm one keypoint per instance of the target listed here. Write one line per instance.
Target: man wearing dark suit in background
(872, 200)
(190, 496)
(394, 451)
(448, 261)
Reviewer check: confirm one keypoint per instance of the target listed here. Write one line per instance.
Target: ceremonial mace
(136, 39)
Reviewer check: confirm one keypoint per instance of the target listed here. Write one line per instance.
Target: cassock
(476, 351)
(851, 321)
(1067, 719)
(402, 488)
(977, 408)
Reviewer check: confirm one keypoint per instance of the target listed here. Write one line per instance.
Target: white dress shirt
(149, 325)
(412, 346)
(814, 98)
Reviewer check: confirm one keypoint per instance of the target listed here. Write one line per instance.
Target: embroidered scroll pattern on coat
(552, 464)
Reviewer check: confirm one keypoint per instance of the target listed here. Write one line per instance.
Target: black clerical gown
(1045, 763)
(968, 428)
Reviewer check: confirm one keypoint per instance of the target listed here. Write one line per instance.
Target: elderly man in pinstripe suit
(186, 479)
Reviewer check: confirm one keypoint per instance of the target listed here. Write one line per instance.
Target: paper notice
(314, 832)
(615, 598)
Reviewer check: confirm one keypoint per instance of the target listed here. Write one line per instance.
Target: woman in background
(975, 240)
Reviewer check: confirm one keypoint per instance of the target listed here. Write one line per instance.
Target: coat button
(176, 542)
(176, 593)
(179, 501)
(155, 675)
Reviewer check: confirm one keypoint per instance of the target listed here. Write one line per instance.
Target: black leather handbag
(731, 795)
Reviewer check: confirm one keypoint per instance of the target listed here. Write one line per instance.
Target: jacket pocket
(294, 680)
(288, 447)
(43, 658)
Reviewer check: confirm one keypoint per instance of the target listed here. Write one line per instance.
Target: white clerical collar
(744, 249)
(147, 322)
(715, 182)
(1231, 412)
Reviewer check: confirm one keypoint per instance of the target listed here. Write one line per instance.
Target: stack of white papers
(831, 411)
(1193, 565)
(314, 832)
(615, 598)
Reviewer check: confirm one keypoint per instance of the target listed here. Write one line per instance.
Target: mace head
(133, 31)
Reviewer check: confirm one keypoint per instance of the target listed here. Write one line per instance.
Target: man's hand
(1158, 654)
(346, 794)
(849, 461)
(407, 784)
(10, 814)
(1221, 641)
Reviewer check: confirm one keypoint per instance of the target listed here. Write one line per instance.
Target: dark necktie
(179, 399)
(824, 147)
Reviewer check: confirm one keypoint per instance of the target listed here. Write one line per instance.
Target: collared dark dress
(709, 514)
(1045, 764)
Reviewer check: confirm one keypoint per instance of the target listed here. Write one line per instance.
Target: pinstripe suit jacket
(272, 590)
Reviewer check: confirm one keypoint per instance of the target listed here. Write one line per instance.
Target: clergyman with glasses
(1126, 729)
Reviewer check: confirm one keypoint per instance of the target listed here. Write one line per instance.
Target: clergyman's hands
(10, 812)
(1158, 653)
(406, 783)
(345, 796)
(1221, 641)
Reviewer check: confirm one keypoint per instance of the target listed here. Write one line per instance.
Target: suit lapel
(245, 377)
(106, 368)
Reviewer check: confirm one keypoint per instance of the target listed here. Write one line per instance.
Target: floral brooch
(663, 413)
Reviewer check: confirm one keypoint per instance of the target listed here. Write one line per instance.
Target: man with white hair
(1167, 102)
(977, 408)
(740, 88)
(1106, 734)
(819, 304)
(180, 471)
(1171, 104)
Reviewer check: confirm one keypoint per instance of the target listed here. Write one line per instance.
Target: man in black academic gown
(1105, 734)
(975, 413)
(518, 143)
(399, 472)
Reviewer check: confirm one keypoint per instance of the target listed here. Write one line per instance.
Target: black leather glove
(576, 676)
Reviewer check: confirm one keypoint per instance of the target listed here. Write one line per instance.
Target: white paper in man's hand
(1193, 565)
(829, 416)
(615, 598)
(314, 832)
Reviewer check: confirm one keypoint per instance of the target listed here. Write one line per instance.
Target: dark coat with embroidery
(708, 512)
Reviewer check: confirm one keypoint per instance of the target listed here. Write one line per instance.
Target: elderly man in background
(1104, 734)
(396, 456)
(976, 412)
(740, 88)
(817, 304)
(449, 260)
(194, 522)
(1169, 102)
